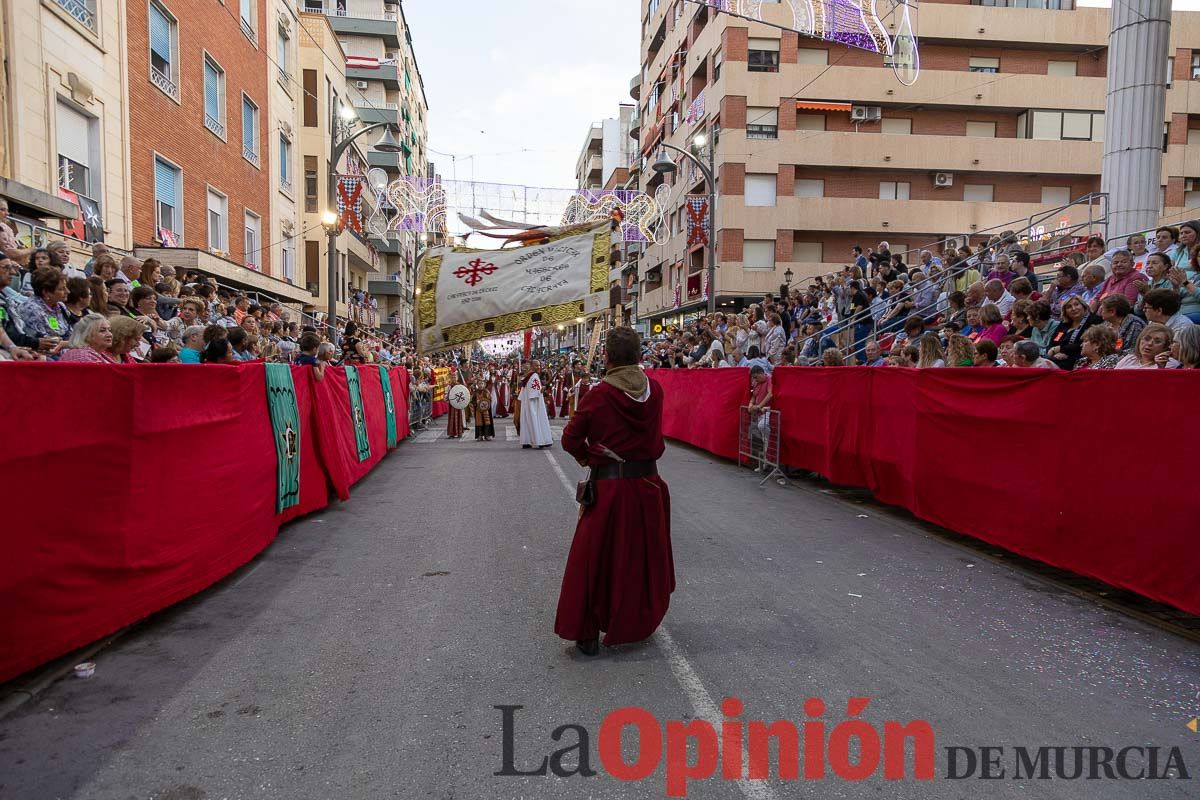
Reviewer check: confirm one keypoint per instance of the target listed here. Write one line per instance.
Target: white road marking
(686, 677)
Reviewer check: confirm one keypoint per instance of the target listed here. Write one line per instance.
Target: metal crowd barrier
(758, 442)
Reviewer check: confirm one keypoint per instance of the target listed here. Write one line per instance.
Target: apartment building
(285, 99)
(383, 84)
(608, 151)
(200, 81)
(63, 117)
(818, 147)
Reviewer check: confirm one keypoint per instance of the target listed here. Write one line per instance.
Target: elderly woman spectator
(1187, 281)
(1025, 354)
(1186, 348)
(924, 293)
(993, 324)
(91, 342)
(832, 357)
(118, 299)
(1123, 279)
(44, 314)
(144, 302)
(1096, 256)
(60, 256)
(1153, 350)
(105, 268)
(192, 344)
(1067, 342)
(129, 345)
(1158, 276)
(79, 299)
(190, 312)
(1043, 327)
(1118, 315)
(1189, 237)
(1022, 289)
(1099, 349)
(1020, 326)
(986, 354)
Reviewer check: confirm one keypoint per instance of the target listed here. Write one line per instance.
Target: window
(1193, 136)
(249, 131)
(810, 122)
(762, 123)
(78, 150)
(1191, 193)
(760, 190)
(252, 243)
(808, 252)
(1056, 195)
(82, 10)
(978, 64)
(1064, 69)
(808, 187)
(1170, 71)
(164, 49)
(759, 254)
(311, 118)
(978, 192)
(763, 55)
(895, 125)
(285, 163)
(716, 67)
(214, 97)
(1076, 125)
(1057, 125)
(168, 199)
(310, 184)
(1196, 65)
(283, 44)
(809, 55)
(985, 130)
(248, 18)
(218, 221)
(287, 259)
(894, 190)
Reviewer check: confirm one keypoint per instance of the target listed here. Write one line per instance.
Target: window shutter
(166, 178)
(160, 34)
(212, 91)
(247, 125)
(73, 135)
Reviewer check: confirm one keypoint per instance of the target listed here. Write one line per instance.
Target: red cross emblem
(475, 271)
(351, 203)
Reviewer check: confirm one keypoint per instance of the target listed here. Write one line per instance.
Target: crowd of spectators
(1131, 307)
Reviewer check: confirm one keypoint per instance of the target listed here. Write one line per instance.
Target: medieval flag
(357, 417)
(285, 424)
(469, 294)
(697, 220)
(389, 405)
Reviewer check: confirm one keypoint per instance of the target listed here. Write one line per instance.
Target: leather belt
(626, 469)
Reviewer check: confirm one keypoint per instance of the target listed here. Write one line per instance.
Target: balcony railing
(164, 82)
(250, 154)
(214, 125)
(82, 10)
(337, 12)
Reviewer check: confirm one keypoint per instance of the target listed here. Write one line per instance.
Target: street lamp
(340, 140)
(663, 165)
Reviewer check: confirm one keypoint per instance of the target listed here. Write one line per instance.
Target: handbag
(585, 491)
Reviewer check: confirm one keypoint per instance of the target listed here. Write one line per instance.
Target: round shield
(459, 397)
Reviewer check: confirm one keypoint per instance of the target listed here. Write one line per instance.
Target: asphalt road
(363, 655)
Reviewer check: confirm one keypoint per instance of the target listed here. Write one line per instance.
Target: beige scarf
(631, 380)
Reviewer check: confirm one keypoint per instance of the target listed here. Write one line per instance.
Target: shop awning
(820, 105)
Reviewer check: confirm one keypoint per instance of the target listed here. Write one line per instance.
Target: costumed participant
(485, 426)
(548, 393)
(620, 572)
(560, 393)
(454, 418)
(582, 383)
(535, 424)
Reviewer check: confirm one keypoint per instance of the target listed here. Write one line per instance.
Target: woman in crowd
(1158, 274)
(1099, 349)
(105, 268)
(1153, 350)
(930, 353)
(91, 342)
(354, 350)
(956, 310)
(44, 314)
(118, 298)
(150, 275)
(218, 351)
(1187, 281)
(1186, 348)
(39, 258)
(993, 323)
(959, 351)
(79, 299)
(128, 343)
(1021, 324)
(832, 357)
(98, 302)
(1189, 237)
(144, 302)
(1066, 345)
(986, 354)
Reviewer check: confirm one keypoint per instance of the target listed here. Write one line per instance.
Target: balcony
(82, 10)
(370, 113)
(389, 246)
(251, 155)
(387, 288)
(214, 125)
(390, 161)
(164, 82)
(383, 25)
(389, 74)
(635, 87)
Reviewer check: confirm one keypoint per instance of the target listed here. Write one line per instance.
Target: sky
(514, 86)
(497, 85)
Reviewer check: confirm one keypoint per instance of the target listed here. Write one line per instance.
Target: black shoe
(589, 647)
(526, 447)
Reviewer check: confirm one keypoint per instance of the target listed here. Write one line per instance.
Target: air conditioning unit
(361, 84)
(865, 113)
(943, 179)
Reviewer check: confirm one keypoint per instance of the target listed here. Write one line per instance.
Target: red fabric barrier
(399, 376)
(1058, 467)
(134, 487)
(440, 408)
(700, 406)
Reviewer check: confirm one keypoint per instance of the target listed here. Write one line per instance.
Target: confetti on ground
(862, 574)
(863, 516)
(852, 594)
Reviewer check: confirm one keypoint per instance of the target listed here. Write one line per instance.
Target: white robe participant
(535, 423)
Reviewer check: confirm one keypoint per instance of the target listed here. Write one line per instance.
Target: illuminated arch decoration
(642, 216)
(406, 204)
(854, 23)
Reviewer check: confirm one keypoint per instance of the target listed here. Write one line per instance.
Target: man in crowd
(996, 295)
(131, 270)
(1162, 306)
(1124, 279)
(1025, 354)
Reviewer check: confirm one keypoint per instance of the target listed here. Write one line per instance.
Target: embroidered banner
(469, 294)
(441, 382)
(696, 110)
(349, 202)
(697, 220)
(356, 413)
(285, 423)
(389, 405)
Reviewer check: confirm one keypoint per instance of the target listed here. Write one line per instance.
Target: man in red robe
(620, 572)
